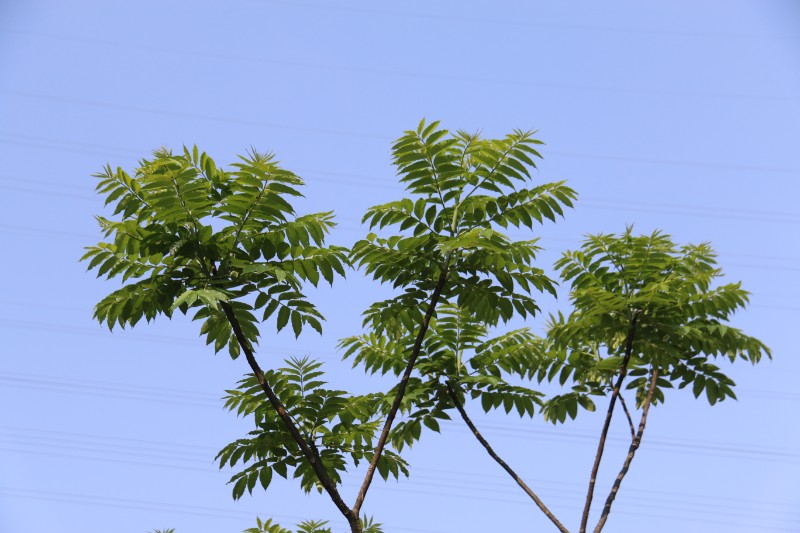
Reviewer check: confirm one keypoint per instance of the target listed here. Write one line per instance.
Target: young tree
(643, 307)
(226, 244)
(649, 309)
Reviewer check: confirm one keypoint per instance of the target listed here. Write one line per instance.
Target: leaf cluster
(662, 300)
(464, 191)
(341, 426)
(308, 526)
(458, 353)
(188, 234)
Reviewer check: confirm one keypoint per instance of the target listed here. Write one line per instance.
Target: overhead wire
(413, 74)
(476, 490)
(536, 23)
(105, 501)
(194, 399)
(53, 438)
(123, 447)
(701, 211)
(365, 180)
(90, 238)
(385, 138)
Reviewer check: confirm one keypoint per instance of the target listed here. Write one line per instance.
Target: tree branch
(401, 387)
(627, 415)
(308, 447)
(604, 433)
(503, 464)
(637, 440)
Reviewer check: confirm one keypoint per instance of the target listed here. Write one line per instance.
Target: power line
(524, 23)
(36, 141)
(180, 114)
(695, 504)
(91, 238)
(457, 477)
(105, 501)
(605, 204)
(100, 331)
(172, 396)
(566, 154)
(581, 28)
(408, 74)
(602, 205)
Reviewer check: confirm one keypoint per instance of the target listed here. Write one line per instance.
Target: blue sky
(683, 116)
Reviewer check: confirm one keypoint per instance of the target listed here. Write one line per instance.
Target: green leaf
(297, 323)
(187, 298)
(699, 385)
(265, 476)
(283, 317)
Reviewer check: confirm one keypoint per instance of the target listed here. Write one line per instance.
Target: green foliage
(465, 190)
(342, 427)
(186, 235)
(308, 526)
(266, 526)
(189, 235)
(659, 297)
(457, 352)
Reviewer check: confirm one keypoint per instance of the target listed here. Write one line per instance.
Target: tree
(643, 307)
(225, 244)
(195, 237)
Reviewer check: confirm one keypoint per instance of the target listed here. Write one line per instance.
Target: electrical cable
(429, 75)
(170, 396)
(680, 509)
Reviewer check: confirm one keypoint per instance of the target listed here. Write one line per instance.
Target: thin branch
(637, 440)
(604, 433)
(503, 464)
(628, 415)
(401, 387)
(308, 447)
(494, 168)
(435, 174)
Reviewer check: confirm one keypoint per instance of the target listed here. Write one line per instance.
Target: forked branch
(503, 464)
(604, 433)
(637, 440)
(627, 415)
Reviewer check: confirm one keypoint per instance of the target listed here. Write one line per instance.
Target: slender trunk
(503, 464)
(401, 387)
(604, 433)
(307, 446)
(637, 440)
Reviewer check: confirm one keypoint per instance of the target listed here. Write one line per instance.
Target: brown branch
(637, 440)
(401, 387)
(503, 464)
(627, 415)
(307, 446)
(604, 433)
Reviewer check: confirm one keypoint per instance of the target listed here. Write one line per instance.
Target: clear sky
(681, 115)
